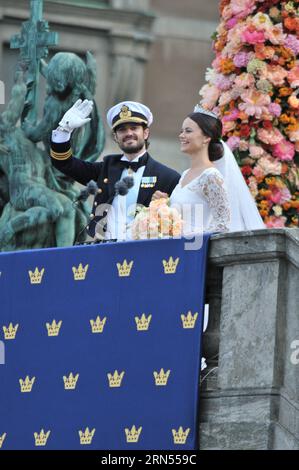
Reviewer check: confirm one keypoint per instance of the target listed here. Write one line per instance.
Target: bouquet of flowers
(158, 220)
(254, 88)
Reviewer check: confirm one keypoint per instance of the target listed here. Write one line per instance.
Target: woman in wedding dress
(211, 195)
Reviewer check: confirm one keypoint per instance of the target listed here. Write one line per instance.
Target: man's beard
(132, 149)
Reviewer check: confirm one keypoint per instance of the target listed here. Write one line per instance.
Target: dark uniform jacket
(106, 174)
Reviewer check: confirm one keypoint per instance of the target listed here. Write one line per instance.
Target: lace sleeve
(212, 187)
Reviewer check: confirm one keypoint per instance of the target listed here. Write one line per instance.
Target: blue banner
(102, 346)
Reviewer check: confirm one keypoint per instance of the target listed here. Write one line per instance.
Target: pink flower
(275, 74)
(275, 109)
(224, 82)
(228, 126)
(233, 142)
(243, 146)
(231, 23)
(254, 103)
(294, 136)
(269, 136)
(293, 76)
(258, 172)
(241, 59)
(225, 98)
(279, 196)
(269, 165)
(233, 114)
(284, 150)
(245, 80)
(252, 184)
(275, 34)
(242, 8)
(276, 222)
(251, 36)
(210, 95)
(255, 151)
(291, 42)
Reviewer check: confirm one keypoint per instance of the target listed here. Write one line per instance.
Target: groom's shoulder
(163, 169)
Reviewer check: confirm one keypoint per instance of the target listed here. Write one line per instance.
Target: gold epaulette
(61, 155)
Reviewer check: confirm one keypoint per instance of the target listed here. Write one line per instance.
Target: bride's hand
(159, 195)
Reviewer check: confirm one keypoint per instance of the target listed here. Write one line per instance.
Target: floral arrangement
(253, 86)
(157, 221)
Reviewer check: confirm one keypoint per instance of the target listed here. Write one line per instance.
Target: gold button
(105, 180)
(87, 228)
(95, 204)
(91, 216)
(100, 190)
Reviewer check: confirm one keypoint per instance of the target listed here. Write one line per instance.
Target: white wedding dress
(203, 202)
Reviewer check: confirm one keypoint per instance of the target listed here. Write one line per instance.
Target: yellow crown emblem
(86, 436)
(97, 325)
(80, 272)
(53, 328)
(10, 331)
(143, 323)
(125, 112)
(2, 439)
(133, 434)
(36, 276)
(41, 438)
(115, 380)
(189, 320)
(170, 265)
(70, 382)
(124, 269)
(161, 378)
(180, 436)
(26, 384)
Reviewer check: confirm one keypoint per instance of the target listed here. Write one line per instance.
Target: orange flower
(265, 193)
(264, 212)
(227, 66)
(264, 204)
(271, 181)
(295, 204)
(292, 128)
(264, 52)
(286, 206)
(284, 168)
(292, 24)
(284, 118)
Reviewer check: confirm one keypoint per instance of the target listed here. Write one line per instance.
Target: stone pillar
(253, 400)
(129, 52)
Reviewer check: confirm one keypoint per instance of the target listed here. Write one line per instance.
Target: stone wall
(250, 391)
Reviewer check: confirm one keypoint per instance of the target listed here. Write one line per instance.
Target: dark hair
(211, 127)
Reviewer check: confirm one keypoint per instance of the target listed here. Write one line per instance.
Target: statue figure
(33, 214)
(37, 202)
(68, 79)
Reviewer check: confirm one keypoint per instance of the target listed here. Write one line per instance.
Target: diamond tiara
(199, 109)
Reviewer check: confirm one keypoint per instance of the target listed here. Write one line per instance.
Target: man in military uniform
(130, 122)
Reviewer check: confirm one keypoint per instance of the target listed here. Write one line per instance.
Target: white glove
(76, 116)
